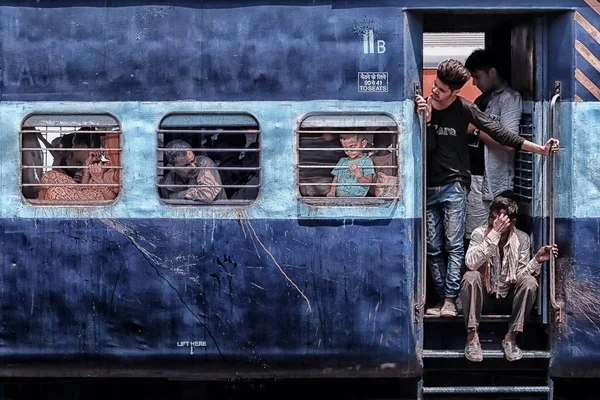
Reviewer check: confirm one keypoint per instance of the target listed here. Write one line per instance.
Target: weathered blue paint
(278, 197)
(130, 290)
(133, 279)
(256, 51)
(182, 51)
(575, 347)
(581, 172)
(561, 54)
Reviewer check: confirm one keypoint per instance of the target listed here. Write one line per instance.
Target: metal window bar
(244, 128)
(316, 132)
(523, 186)
(50, 127)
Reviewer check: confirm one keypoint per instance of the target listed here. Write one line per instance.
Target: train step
(486, 354)
(453, 391)
(484, 318)
(450, 333)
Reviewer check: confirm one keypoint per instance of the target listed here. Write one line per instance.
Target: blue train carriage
(111, 274)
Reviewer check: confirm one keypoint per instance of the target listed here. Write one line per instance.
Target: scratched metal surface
(125, 281)
(253, 295)
(185, 51)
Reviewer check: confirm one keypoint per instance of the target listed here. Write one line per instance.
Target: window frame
(53, 116)
(524, 187)
(347, 201)
(218, 203)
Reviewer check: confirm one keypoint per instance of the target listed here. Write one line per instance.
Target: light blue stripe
(584, 172)
(277, 199)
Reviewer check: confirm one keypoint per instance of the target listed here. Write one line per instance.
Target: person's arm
(331, 192)
(543, 255)
(364, 173)
(511, 108)
(482, 245)
(502, 135)
(335, 172)
(209, 180)
(481, 248)
(493, 128)
(485, 138)
(178, 195)
(526, 266)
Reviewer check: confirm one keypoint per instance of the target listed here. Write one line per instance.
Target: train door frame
(546, 26)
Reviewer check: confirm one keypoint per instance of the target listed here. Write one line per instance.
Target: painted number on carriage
(369, 44)
(372, 81)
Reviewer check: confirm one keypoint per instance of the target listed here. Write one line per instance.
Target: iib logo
(369, 43)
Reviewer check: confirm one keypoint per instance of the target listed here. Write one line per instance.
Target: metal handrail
(334, 166)
(215, 168)
(212, 150)
(422, 294)
(551, 210)
(351, 131)
(393, 149)
(209, 131)
(346, 184)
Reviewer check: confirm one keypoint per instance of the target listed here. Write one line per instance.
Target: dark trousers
(520, 298)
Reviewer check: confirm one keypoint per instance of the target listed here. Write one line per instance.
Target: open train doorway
(523, 46)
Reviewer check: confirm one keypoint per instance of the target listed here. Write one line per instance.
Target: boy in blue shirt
(356, 168)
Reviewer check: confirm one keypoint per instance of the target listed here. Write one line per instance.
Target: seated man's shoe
(473, 351)
(449, 310)
(512, 352)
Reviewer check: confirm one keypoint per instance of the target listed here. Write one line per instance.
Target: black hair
(453, 73)
(483, 60)
(505, 204)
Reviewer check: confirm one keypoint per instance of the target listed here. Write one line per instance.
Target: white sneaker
(435, 310)
(448, 310)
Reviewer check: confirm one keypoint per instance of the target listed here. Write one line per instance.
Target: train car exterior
(285, 284)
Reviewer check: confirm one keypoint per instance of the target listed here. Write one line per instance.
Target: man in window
(500, 275)
(206, 178)
(448, 175)
(492, 165)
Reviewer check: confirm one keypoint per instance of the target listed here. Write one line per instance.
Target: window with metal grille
(208, 158)
(524, 163)
(70, 159)
(348, 159)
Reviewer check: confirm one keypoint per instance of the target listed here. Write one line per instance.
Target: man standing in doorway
(448, 177)
(492, 165)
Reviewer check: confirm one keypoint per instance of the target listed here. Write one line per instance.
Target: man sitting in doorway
(448, 175)
(500, 273)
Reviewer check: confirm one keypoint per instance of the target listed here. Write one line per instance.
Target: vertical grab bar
(422, 290)
(551, 212)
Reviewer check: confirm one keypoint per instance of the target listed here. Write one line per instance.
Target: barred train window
(208, 158)
(348, 159)
(70, 159)
(524, 164)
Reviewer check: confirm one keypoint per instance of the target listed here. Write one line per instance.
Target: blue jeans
(446, 211)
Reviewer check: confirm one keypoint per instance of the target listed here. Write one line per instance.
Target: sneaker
(473, 351)
(435, 310)
(512, 352)
(448, 310)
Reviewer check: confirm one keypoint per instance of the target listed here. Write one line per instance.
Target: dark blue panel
(440, 4)
(134, 291)
(575, 346)
(200, 52)
(561, 54)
